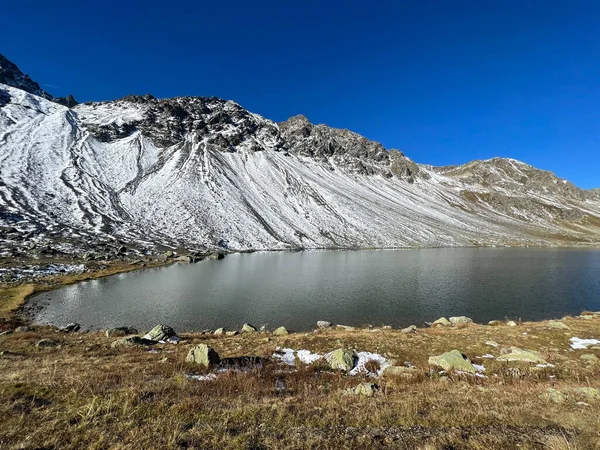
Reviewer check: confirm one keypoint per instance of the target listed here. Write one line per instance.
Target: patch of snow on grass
(577, 343)
(208, 377)
(364, 358)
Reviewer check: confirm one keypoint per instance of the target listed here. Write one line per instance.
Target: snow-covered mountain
(204, 172)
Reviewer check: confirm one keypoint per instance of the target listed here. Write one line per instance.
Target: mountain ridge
(202, 172)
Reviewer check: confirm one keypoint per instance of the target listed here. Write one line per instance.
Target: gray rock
(231, 333)
(409, 329)
(520, 355)
(557, 325)
(219, 332)
(341, 359)
(494, 323)
(46, 343)
(460, 320)
(203, 355)
(441, 322)
(247, 328)
(132, 341)
(323, 324)
(281, 331)
(452, 360)
(160, 333)
(400, 371)
(344, 328)
(70, 328)
(120, 332)
(511, 323)
(364, 389)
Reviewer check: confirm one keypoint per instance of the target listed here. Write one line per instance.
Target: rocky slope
(204, 173)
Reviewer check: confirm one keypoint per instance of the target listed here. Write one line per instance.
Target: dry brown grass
(84, 394)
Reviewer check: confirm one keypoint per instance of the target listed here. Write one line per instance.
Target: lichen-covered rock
(160, 333)
(120, 332)
(203, 355)
(132, 341)
(557, 325)
(281, 331)
(341, 359)
(520, 355)
(46, 343)
(460, 320)
(409, 329)
(441, 322)
(364, 389)
(219, 332)
(452, 360)
(323, 324)
(247, 328)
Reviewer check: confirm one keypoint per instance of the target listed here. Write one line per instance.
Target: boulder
(557, 325)
(323, 324)
(341, 359)
(46, 343)
(364, 389)
(120, 332)
(132, 341)
(460, 320)
(70, 328)
(520, 355)
(441, 322)
(160, 333)
(409, 329)
(203, 355)
(219, 332)
(281, 331)
(231, 333)
(494, 323)
(511, 323)
(452, 360)
(247, 328)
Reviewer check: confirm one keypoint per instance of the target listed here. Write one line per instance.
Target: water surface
(397, 288)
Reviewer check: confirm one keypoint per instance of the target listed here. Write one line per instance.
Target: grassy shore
(83, 393)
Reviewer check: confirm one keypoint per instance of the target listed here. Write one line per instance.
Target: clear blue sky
(444, 81)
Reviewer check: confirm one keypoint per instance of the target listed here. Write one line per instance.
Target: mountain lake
(357, 288)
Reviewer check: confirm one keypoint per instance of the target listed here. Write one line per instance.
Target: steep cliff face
(205, 172)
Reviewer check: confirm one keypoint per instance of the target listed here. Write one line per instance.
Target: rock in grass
(409, 329)
(554, 396)
(344, 328)
(70, 328)
(494, 323)
(23, 329)
(588, 393)
(219, 332)
(452, 360)
(323, 324)
(589, 358)
(441, 322)
(120, 332)
(247, 328)
(46, 343)
(460, 320)
(281, 331)
(400, 371)
(557, 325)
(132, 341)
(520, 355)
(340, 359)
(160, 333)
(364, 389)
(231, 333)
(203, 355)
(511, 323)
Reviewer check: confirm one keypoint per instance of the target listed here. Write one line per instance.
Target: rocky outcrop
(203, 355)
(520, 355)
(341, 359)
(160, 333)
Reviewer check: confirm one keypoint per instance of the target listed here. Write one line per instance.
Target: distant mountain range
(203, 173)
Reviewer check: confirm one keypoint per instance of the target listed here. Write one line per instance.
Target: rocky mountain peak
(11, 75)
